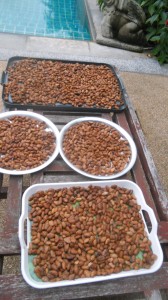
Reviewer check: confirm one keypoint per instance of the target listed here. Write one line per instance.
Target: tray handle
(4, 78)
(21, 231)
(152, 219)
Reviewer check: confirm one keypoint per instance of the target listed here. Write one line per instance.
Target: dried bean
(25, 144)
(50, 82)
(96, 148)
(98, 248)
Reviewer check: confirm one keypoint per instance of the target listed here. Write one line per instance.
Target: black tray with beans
(38, 83)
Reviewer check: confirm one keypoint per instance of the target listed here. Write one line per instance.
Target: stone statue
(123, 20)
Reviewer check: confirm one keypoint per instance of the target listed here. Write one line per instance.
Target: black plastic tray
(59, 106)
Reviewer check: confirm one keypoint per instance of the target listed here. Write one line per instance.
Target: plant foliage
(101, 4)
(157, 27)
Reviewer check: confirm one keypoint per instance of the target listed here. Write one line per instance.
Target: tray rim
(122, 183)
(59, 106)
(112, 124)
(50, 124)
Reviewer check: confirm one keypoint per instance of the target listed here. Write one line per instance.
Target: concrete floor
(149, 96)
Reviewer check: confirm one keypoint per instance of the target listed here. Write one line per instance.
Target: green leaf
(155, 38)
(151, 9)
(140, 255)
(31, 268)
(151, 29)
(158, 2)
(156, 50)
(144, 3)
(164, 16)
(162, 23)
(76, 204)
(161, 5)
(152, 19)
(161, 59)
(149, 35)
(101, 4)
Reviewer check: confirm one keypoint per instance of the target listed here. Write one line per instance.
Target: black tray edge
(4, 78)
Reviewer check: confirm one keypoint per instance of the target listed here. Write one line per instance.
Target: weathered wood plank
(60, 119)
(3, 193)
(9, 243)
(140, 179)
(153, 295)
(63, 119)
(13, 203)
(58, 171)
(107, 116)
(57, 165)
(60, 177)
(165, 251)
(137, 170)
(3, 190)
(1, 180)
(163, 232)
(60, 126)
(147, 162)
(1, 263)
(121, 120)
(8, 236)
(19, 289)
(37, 177)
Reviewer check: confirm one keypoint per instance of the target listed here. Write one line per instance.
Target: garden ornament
(123, 20)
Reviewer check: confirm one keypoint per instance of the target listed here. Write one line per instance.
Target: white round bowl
(115, 126)
(50, 126)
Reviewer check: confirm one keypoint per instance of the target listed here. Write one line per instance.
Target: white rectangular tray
(25, 258)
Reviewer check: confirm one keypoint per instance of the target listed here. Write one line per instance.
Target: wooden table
(143, 173)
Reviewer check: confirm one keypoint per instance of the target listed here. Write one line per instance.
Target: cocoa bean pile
(49, 82)
(82, 232)
(24, 143)
(96, 148)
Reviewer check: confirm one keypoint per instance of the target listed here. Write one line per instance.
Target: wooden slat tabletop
(143, 173)
(19, 289)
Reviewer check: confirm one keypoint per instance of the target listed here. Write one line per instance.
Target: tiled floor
(47, 18)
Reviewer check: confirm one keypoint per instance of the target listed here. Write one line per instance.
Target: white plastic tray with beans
(82, 232)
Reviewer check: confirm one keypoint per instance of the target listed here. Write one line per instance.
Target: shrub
(157, 27)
